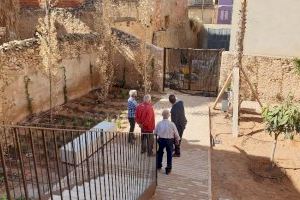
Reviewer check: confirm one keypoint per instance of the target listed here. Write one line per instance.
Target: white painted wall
(273, 27)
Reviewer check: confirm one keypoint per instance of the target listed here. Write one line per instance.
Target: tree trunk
(273, 151)
(237, 65)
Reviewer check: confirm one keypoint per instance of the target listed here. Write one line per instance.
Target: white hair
(132, 93)
(166, 114)
(147, 98)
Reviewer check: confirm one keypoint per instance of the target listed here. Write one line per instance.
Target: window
(222, 15)
(226, 15)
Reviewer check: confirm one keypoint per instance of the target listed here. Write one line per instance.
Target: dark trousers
(177, 146)
(147, 143)
(168, 144)
(131, 130)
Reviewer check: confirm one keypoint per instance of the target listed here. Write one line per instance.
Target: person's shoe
(168, 170)
(176, 155)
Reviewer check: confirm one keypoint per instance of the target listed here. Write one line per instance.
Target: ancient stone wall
(274, 78)
(22, 61)
(125, 69)
(68, 21)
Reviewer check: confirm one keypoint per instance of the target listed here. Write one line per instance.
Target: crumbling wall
(69, 21)
(177, 37)
(22, 60)
(274, 78)
(126, 73)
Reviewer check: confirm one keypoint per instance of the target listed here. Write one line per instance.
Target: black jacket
(178, 116)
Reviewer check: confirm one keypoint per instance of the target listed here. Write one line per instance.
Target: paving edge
(209, 158)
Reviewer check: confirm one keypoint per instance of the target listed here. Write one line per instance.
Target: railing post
(21, 163)
(4, 172)
(47, 163)
(103, 160)
(164, 68)
(156, 175)
(34, 163)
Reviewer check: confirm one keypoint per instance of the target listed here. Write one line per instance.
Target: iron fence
(47, 163)
(192, 69)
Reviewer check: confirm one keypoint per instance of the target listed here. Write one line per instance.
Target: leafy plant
(3, 197)
(297, 65)
(119, 122)
(1, 179)
(282, 120)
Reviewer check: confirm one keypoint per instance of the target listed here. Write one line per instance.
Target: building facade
(270, 45)
(203, 10)
(225, 11)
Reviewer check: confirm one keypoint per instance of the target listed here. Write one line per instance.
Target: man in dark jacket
(179, 119)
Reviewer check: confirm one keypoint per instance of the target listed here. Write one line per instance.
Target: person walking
(132, 104)
(179, 119)
(145, 118)
(167, 133)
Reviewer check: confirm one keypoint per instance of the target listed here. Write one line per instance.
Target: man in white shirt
(167, 133)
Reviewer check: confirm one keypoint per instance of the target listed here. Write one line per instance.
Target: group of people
(169, 133)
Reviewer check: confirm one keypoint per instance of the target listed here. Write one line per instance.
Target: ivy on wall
(27, 81)
(65, 91)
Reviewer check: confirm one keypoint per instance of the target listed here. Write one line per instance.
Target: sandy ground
(232, 159)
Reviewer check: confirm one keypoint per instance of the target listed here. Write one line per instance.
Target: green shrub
(282, 119)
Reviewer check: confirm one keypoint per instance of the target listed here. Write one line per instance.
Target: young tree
(281, 120)
(103, 20)
(143, 56)
(9, 15)
(49, 51)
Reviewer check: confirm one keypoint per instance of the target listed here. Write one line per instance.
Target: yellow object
(185, 70)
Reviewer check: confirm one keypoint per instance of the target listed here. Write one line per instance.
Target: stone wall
(69, 21)
(21, 60)
(274, 78)
(125, 69)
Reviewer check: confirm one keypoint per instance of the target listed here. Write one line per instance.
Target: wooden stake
(222, 90)
(251, 87)
(235, 103)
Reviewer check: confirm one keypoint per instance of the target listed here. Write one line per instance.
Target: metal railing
(46, 163)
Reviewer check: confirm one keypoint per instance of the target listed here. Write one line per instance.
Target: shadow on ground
(232, 178)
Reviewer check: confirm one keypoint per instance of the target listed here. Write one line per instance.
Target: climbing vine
(65, 91)
(28, 98)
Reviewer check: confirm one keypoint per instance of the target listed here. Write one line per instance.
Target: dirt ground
(233, 160)
(86, 111)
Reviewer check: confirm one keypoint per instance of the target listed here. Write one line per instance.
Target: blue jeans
(168, 144)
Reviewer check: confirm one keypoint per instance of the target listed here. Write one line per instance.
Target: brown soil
(86, 111)
(240, 166)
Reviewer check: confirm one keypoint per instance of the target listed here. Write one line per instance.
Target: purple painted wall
(225, 2)
(225, 11)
